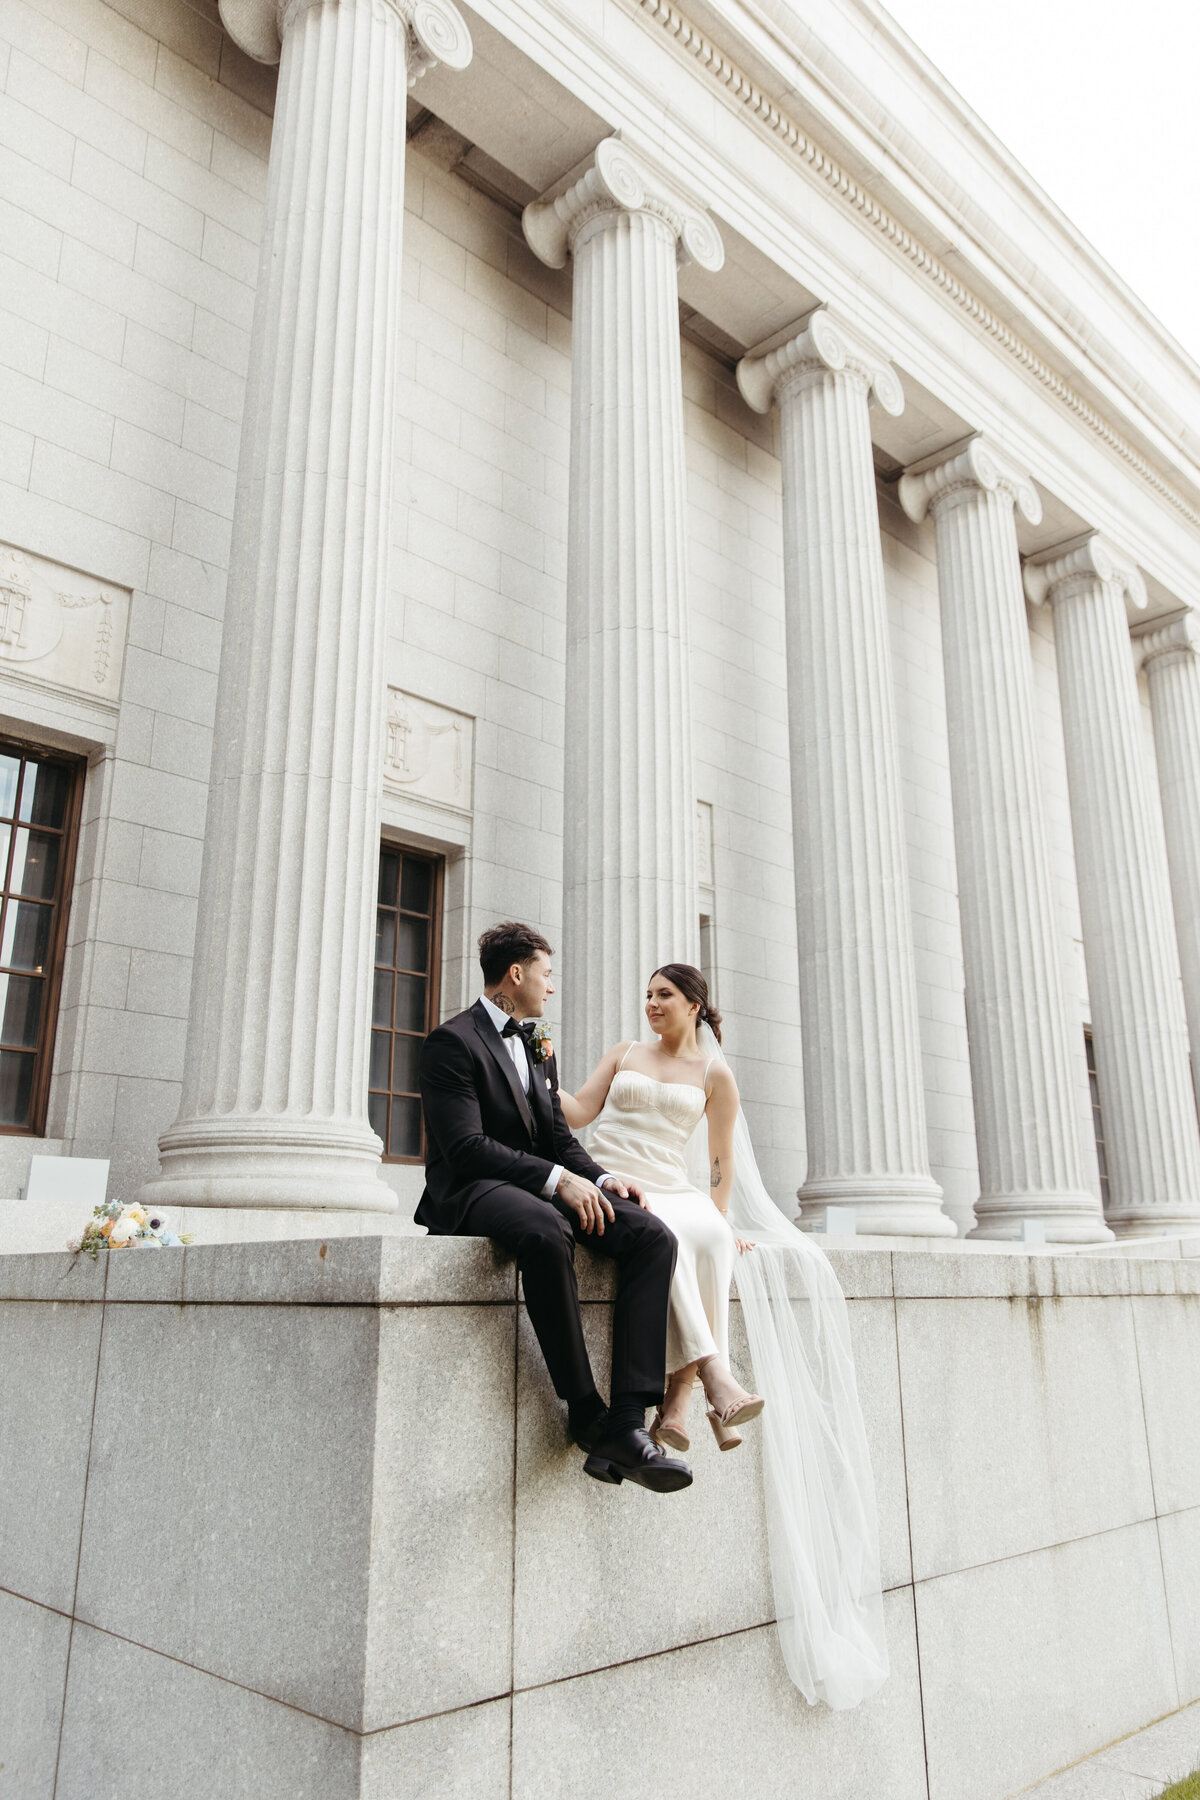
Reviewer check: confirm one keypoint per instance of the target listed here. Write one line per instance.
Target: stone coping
(416, 1271)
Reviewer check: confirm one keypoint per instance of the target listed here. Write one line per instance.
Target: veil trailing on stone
(822, 1525)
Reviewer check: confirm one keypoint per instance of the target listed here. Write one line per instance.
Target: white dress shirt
(520, 1062)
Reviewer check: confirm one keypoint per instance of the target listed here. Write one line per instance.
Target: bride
(649, 1101)
(653, 1097)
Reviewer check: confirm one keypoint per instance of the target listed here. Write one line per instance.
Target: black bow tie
(511, 1029)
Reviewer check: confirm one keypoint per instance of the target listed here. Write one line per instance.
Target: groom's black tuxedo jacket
(482, 1132)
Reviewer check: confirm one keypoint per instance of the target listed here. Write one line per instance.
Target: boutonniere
(540, 1045)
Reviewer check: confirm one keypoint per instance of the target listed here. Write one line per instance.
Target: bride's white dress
(822, 1523)
(642, 1133)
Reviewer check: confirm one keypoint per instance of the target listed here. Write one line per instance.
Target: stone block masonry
(314, 1503)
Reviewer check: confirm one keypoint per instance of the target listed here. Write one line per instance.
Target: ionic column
(629, 857)
(864, 1100)
(273, 1110)
(1171, 658)
(1027, 1122)
(1150, 1133)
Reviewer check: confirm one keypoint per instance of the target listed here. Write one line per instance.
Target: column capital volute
(1175, 639)
(1084, 562)
(616, 178)
(819, 344)
(972, 465)
(435, 29)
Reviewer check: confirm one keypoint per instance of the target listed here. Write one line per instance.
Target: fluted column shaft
(1171, 659)
(1151, 1139)
(273, 1111)
(864, 1100)
(1027, 1122)
(629, 858)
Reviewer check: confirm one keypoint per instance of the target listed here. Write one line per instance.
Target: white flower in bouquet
(116, 1227)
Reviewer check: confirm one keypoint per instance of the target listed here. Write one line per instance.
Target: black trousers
(542, 1235)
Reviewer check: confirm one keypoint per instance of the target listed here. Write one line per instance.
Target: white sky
(1101, 103)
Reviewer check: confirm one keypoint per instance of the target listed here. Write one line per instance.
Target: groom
(501, 1163)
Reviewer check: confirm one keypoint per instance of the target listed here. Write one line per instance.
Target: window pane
(381, 1044)
(35, 864)
(410, 1003)
(10, 768)
(405, 1051)
(377, 1111)
(382, 1012)
(385, 938)
(412, 945)
(16, 1086)
(405, 1138)
(416, 883)
(20, 1009)
(44, 794)
(26, 939)
(389, 868)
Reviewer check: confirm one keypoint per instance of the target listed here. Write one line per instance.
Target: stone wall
(300, 1520)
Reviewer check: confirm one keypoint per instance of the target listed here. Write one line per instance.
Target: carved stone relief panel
(60, 626)
(428, 750)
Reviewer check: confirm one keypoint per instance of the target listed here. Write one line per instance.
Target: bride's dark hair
(693, 987)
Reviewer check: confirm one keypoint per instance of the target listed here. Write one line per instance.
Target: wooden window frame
(39, 1101)
(433, 992)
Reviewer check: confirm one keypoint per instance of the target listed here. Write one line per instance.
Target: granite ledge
(351, 1271)
(391, 1270)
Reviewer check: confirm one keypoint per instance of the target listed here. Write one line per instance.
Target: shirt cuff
(551, 1187)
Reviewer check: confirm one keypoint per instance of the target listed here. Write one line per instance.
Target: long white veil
(822, 1525)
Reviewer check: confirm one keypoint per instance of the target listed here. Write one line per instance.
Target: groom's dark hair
(503, 945)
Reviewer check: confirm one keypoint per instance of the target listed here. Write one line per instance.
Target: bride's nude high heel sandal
(727, 1438)
(673, 1435)
(740, 1409)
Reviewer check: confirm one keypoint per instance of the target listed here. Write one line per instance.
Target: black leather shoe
(589, 1435)
(631, 1456)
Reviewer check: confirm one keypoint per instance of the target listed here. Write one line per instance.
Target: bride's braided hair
(694, 988)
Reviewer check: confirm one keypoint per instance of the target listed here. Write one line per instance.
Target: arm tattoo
(714, 1179)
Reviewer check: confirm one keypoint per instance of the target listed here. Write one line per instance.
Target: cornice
(1079, 564)
(819, 342)
(616, 178)
(435, 29)
(740, 89)
(975, 465)
(1176, 639)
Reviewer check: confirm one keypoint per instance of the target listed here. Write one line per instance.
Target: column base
(268, 1163)
(883, 1206)
(1181, 1221)
(1066, 1218)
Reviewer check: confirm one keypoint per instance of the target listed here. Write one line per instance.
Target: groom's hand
(628, 1190)
(585, 1201)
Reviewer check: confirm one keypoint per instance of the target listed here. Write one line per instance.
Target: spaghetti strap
(704, 1078)
(621, 1064)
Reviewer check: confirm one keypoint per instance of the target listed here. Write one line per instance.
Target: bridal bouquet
(116, 1227)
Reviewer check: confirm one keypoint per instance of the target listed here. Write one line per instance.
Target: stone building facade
(687, 489)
